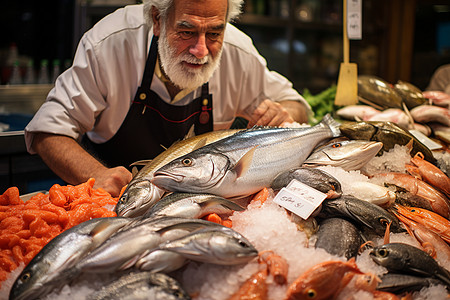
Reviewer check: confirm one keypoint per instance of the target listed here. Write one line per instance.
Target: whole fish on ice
(245, 162)
(45, 271)
(349, 155)
(140, 193)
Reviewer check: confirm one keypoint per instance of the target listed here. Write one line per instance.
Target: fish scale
(245, 162)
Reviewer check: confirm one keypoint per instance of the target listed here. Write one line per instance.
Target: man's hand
(112, 180)
(270, 113)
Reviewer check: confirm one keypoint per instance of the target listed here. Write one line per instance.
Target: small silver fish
(190, 205)
(406, 259)
(244, 163)
(216, 245)
(349, 155)
(46, 270)
(142, 286)
(123, 249)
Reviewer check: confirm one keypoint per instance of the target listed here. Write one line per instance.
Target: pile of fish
(401, 103)
(159, 242)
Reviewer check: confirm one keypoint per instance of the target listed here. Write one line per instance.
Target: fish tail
(334, 125)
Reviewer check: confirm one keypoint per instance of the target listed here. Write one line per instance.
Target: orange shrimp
(431, 174)
(254, 288)
(438, 201)
(276, 265)
(322, 281)
(428, 219)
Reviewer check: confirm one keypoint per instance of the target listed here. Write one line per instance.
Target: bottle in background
(44, 77)
(56, 70)
(16, 77)
(11, 58)
(30, 77)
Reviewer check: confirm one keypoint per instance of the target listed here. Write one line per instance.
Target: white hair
(163, 6)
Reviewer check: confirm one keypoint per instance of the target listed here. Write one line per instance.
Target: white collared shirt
(94, 95)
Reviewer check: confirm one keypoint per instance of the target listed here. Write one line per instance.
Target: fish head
(389, 257)
(31, 283)
(195, 172)
(138, 198)
(349, 155)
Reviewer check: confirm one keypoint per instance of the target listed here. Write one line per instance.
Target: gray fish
(190, 205)
(216, 245)
(406, 259)
(46, 270)
(142, 286)
(362, 212)
(339, 237)
(245, 162)
(378, 93)
(314, 178)
(123, 249)
(140, 193)
(348, 155)
(402, 283)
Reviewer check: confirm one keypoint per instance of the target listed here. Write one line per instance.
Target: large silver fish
(46, 270)
(406, 259)
(216, 245)
(245, 162)
(140, 193)
(123, 249)
(190, 205)
(349, 155)
(142, 286)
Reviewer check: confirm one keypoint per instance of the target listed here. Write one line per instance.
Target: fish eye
(336, 145)
(243, 244)
(25, 277)
(186, 162)
(413, 210)
(383, 252)
(311, 294)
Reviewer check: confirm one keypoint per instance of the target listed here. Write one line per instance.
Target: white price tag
(354, 19)
(299, 198)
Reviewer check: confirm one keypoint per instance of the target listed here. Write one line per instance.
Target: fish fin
(242, 166)
(134, 171)
(334, 125)
(188, 225)
(222, 202)
(200, 144)
(191, 132)
(141, 162)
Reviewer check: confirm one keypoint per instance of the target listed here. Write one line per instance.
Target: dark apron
(151, 123)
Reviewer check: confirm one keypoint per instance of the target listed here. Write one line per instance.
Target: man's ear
(156, 21)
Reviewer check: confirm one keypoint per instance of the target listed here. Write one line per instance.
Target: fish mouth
(160, 177)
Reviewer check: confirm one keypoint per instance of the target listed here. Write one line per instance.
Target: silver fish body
(314, 178)
(339, 237)
(348, 155)
(406, 259)
(361, 212)
(216, 245)
(123, 249)
(47, 269)
(140, 193)
(245, 162)
(162, 261)
(142, 286)
(190, 205)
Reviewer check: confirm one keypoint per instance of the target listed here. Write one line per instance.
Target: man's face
(190, 42)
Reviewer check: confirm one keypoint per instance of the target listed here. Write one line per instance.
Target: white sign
(354, 19)
(299, 198)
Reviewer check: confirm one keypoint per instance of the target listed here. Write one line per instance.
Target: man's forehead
(214, 9)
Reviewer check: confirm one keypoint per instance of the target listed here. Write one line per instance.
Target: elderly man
(146, 74)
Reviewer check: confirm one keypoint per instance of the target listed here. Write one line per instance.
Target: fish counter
(344, 209)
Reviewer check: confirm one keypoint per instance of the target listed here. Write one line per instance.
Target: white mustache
(194, 60)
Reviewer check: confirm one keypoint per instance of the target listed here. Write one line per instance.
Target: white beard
(180, 75)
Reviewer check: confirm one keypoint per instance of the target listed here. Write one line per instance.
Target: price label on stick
(299, 198)
(354, 19)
